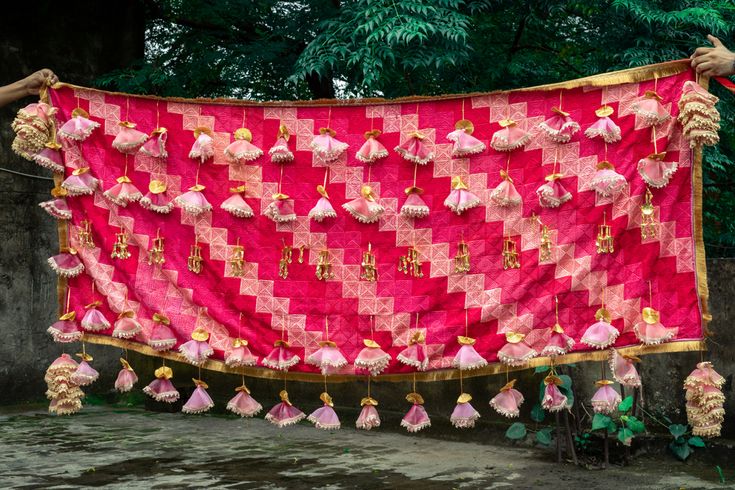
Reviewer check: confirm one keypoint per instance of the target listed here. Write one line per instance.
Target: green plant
(681, 445)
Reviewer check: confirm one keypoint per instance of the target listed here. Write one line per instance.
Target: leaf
(600, 421)
(537, 413)
(626, 404)
(516, 431)
(625, 436)
(681, 451)
(566, 389)
(635, 425)
(541, 369)
(543, 436)
(612, 427)
(677, 430)
(696, 441)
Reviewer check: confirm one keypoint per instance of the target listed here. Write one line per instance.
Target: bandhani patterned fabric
(292, 273)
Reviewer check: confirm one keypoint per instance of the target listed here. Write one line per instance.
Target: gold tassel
(649, 227)
(286, 258)
(604, 239)
(324, 266)
(155, 254)
(411, 263)
(462, 259)
(511, 259)
(237, 260)
(194, 262)
(120, 247)
(369, 270)
(84, 234)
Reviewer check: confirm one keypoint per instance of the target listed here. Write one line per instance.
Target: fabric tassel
(624, 370)
(242, 150)
(649, 109)
(243, 404)
(66, 264)
(416, 418)
(508, 402)
(50, 158)
(558, 343)
(705, 400)
(84, 374)
(203, 147)
(80, 183)
(197, 350)
(368, 418)
(155, 147)
(415, 150)
(516, 351)
(372, 150)
(654, 171)
(128, 139)
(365, 208)
(65, 330)
(193, 201)
(606, 181)
(510, 137)
(651, 331)
(280, 152)
(240, 355)
(328, 358)
(325, 417)
(600, 335)
(126, 326)
(94, 320)
(464, 415)
(460, 198)
(698, 115)
(284, 413)
(123, 192)
(281, 210)
(414, 206)
(156, 198)
(199, 401)
(126, 378)
(79, 127)
(552, 194)
(560, 127)
(554, 400)
(33, 127)
(323, 208)
(604, 127)
(162, 338)
(162, 389)
(467, 357)
(505, 194)
(65, 395)
(372, 358)
(57, 207)
(464, 143)
(281, 357)
(606, 399)
(326, 146)
(415, 354)
(236, 205)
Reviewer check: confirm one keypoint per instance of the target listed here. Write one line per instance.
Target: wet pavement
(132, 448)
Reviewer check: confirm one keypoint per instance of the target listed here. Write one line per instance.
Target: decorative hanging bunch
(655, 171)
(284, 413)
(279, 152)
(606, 181)
(126, 326)
(66, 330)
(365, 208)
(126, 378)
(65, 394)
(124, 191)
(326, 146)
(66, 263)
(242, 150)
(197, 350)
(415, 354)
(128, 140)
(162, 389)
(203, 147)
(79, 127)
(649, 108)
(604, 128)
(243, 404)
(650, 330)
(505, 193)
(464, 143)
(372, 150)
(460, 198)
(328, 358)
(85, 374)
(323, 208)
(239, 355)
(623, 369)
(606, 399)
(368, 418)
(508, 402)
(467, 357)
(156, 198)
(57, 207)
(705, 400)
(510, 137)
(372, 358)
(552, 194)
(199, 401)
(193, 201)
(554, 400)
(558, 342)
(236, 205)
(325, 417)
(50, 157)
(464, 414)
(517, 351)
(414, 206)
(416, 419)
(600, 334)
(161, 338)
(94, 320)
(81, 182)
(560, 127)
(34, 126)
(698, 115)
(415, 150)
(281, 357)
(155, 147)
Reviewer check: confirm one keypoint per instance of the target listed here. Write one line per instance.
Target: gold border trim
(698, 225)
(629, 75)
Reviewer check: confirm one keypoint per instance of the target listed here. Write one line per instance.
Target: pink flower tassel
(162, 389)
(606, 399)
(123, 192)
(552, 194)
(372, 358)
(365, 208)
(80, 182)
(416, 418)
(284, 413)
(325, 417)
(464, 415)
(126, 378)
(199, 401)
(281, 357)
(155, 147)
(460, 198)
(236, 205)
(368, 418)
(464, 143)
(601, 334)
(560, 127)
(415, 150)
(508, 402)
(197, 350)
(648, 107)
(705, 400)
(203, 147)
(415, 354)
(467, 357)
(280, 152)
(50, 157)
(414, 206)
(84, 374)
(651, 331)
(126, 326)
(162, 338)
(94, 320)
(156, 198)
(65, 395)
(240, 355)
(606, 181)
(510, 137)
(516, 354)
(655, 172)
(326, 146)
(79, 127)
(505, 194)
(604, 127)
(243, 404)
(323, 208)
(554, 400)
(372, 150)
(66, 264)
(328, 358)
(128, 139)
(65, 330)
(624, 370)
(558, 343)
(193, 201)
(242, 150)
(281, 210)
(57, 207)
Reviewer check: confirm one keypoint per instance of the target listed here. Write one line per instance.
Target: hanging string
(655, 143)
(556, 308)
(280, 180)
(125, 173)
(465, 323)
(239, 325)
(127, 108)
(560, 95)
(650, 295)
(283, 327)
(157, 116)
(243, 380)
(329, 116)
(326, 327)
(605, 150)
(244, 116)
(325, 384)
(462, 108)
(507, 377)
(200, 373)
(285, 374)
(196, 180)
(507, 164)
(68, 295)
(602, 370)
(556, 156)
(415, 170)
(414, 381)
(326, 175)
(372, 333)
(370, 171)
(369, 378)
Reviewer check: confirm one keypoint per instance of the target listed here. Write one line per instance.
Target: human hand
(33, 83)
(717, 61)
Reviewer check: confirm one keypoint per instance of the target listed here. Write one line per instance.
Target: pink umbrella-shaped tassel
(80, 182)
(464, 415)
(193, 201)
(197, 350)
(372, 358)
(281, 357)
(284, 413)
(156, 198)
(651, 331)
(516, 354)
(242, 150)
(325, 417)
(606, 181)
(416, 418)
(126, 378)
(505, 194)
(203, 147)
(57, 208)
(464, 143)
(554, 400)
(236, 205)
(604, 127)
(460, 198)
(654, 171)
(703, 375)
(128, 139)
(79, 127)
(372, 150)
(123, 192)
(415, 354)
(415, 150)
(368, 418)
(323, 208)
(84, 374)
(240, 355)
(155, 147)
(606, 399)
(327, 358)
(280, 152)
(552, 194)
(281, 210)
(162, 389)
(467, 357)
(326, 146)
(50, 157)
(94, 320)
(560, 127)
(65, 330)
(199, 401)
(161, 338)
(600, 334)
(558, 343)
(648, 107)
(414, 206)
(624, 370)
(126, 326)
(243, 404)
(508, 402)
(365, 208)
(66, 264)
(510, 137)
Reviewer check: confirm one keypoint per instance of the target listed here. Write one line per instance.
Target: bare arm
(30, 85)
(717, 61)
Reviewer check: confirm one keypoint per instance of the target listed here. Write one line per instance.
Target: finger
(54, 79)
(701, 51)
(702, 67)
(715, 42)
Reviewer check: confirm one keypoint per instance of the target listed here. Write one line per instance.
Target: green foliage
(543, 436)
(516, 431)
(625, 436)
(537, 413)
(626, 404)
(682, 446)
(540, 369)
(601, 422)
(677, 430)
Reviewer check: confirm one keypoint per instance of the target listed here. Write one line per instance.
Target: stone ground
(132, 448)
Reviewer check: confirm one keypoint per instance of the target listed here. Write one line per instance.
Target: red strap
(727, 83)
